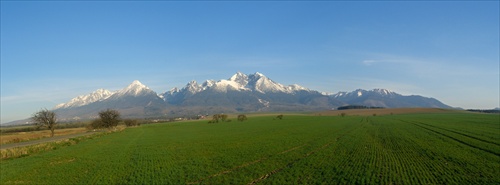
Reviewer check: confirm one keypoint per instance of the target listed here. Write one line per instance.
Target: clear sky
(52, 51)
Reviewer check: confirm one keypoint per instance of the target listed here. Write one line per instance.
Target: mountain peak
(136, 82)
(237, 76)
(98, 95)
(257, 74)
(193, 87)
(383, 91)
(135, 88)
(362, 92)
(240, 78)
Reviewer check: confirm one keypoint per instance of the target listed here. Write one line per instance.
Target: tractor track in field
(459, 133)
(455, 139)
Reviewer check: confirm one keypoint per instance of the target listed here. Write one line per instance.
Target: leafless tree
(45, 118)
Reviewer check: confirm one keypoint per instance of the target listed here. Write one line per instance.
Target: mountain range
(240, 93)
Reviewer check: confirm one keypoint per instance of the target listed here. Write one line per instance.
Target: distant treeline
(493, 111)
(357, 107)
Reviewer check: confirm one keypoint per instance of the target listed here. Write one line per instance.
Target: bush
(242, 117)
(131, 122)
(96, 124)
(107, 119)
(280, 116)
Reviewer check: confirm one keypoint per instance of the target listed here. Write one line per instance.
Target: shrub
(280, 116)
(131, 122)
(109, 118)
(242, 117)
(96, 124)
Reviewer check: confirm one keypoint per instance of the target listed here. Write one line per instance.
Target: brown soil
(26, 136)
(44, 140)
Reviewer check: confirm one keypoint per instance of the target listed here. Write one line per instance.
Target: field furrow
(462, 141)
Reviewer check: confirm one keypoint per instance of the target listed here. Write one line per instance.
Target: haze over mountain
(239, 93)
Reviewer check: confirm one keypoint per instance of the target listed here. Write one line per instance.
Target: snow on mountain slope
(239, 82)
(240, 78)
(296, 87)
(98, 95)
(135, 88)
(262, 84)
(193, 87)
(361, 93)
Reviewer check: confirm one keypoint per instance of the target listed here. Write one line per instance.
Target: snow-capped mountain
(135, 100)
(361, 92)
(239, 82)
(243, 93)
(386, 98)
(239, 93)
(136, 88)
(98, 95)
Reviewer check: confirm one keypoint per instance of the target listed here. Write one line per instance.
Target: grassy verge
(33, 149)
(6, 138)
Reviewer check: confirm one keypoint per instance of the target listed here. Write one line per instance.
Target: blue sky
(52, 51)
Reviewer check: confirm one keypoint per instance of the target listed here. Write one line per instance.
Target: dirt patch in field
(370, 112)
(26, 136)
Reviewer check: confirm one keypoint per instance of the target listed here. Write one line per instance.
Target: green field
(445, 148)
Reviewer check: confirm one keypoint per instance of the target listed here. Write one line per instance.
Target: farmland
(430, 148)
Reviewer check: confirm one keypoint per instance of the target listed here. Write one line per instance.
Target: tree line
(108, 119)
(357, 107)
(223, 118)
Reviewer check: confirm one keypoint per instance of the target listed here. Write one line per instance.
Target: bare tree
(45, 118)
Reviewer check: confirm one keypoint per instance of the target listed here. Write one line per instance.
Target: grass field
(391, 111)
(437, 148)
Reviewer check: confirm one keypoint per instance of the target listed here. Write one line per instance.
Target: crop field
(432, 148)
